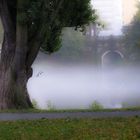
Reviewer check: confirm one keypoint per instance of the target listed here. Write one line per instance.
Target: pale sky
(111, 12)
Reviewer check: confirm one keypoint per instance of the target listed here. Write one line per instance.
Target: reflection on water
(78, 86)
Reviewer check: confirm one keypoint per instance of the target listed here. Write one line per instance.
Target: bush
(96, 106)
(35, 104)
(50, 106)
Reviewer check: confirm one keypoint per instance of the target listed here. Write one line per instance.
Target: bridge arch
(111, 58)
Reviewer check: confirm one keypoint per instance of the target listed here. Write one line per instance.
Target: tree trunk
(13, 91)
(14, 75)
(13, 71)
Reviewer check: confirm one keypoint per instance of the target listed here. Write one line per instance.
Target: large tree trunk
(14, 74)
(13, 71)
(13, 91)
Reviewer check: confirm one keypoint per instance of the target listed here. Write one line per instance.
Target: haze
(72, 86)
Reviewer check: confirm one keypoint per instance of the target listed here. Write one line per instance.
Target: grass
(72, 129)
(69, 110)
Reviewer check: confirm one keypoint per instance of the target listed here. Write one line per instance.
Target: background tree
(132, 39)
(73, 46)
(28, 26)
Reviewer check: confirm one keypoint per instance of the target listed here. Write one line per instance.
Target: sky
(111, 14)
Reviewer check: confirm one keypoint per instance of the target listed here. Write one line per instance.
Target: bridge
(112, 58)
(108, 50)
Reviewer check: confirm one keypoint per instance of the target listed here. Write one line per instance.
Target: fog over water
(72, 86)
(67, 85)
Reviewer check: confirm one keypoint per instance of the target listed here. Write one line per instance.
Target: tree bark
(13, 91)
(14, 75)
(13, 71)
(13, 80)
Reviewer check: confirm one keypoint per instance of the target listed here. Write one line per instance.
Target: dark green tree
(28, 26)
(132, 39)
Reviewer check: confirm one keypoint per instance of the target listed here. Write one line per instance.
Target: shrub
(96, 106)
(50, 106)
(35, 104)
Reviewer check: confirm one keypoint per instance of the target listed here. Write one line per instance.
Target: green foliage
(45, 19)
(22, 11)
(96, 106)
(73, 45)
(48, 17)
(35, 104)
(50, 106)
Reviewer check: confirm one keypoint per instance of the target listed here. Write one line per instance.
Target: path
(33, 116)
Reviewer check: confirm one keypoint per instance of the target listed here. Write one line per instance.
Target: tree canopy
(48, 17)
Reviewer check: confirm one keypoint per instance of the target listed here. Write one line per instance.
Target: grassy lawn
(72, 129)
(68, 110)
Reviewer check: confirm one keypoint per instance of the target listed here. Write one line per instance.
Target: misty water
(78, 85)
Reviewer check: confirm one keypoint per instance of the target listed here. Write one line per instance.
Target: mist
(78, 85)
